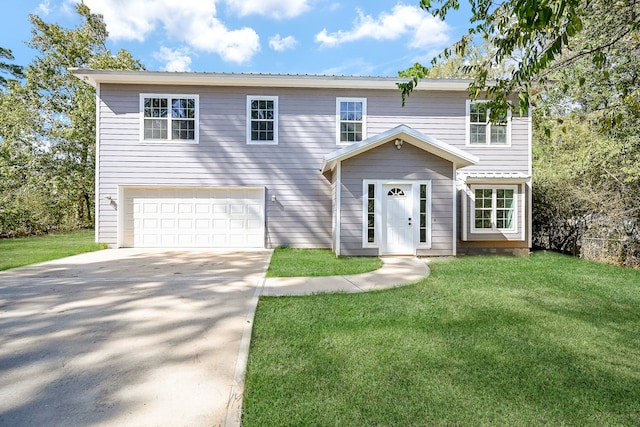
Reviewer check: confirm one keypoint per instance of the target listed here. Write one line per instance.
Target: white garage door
(194, 218)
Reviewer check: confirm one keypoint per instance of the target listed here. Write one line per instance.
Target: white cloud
(278, 9)
(175, 59)
(280, 44)
(192, 22)
(44, 8)
(353, 67)
(424, 30)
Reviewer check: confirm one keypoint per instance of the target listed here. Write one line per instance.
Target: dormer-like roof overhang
(400, 135)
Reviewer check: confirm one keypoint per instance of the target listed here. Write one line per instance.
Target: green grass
(288, 262)
(31, 250)
(545, 340)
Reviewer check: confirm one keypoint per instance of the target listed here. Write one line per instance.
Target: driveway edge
(233, 417)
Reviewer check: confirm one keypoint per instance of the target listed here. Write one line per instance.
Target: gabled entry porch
(395, 194)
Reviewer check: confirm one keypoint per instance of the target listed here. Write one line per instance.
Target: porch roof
(401, 134)
(494, 177)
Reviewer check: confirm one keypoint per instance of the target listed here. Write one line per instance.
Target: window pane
(350, 131)
(183, 129)
(371, 235)
(183, 108)
(483, 208)
(155, 107)
(478, 112)
(371, 189)
(478, 134)
(504, 219)
(371, 205)
(498, 134)
(155, 129)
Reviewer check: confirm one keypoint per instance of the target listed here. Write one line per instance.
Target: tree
(7, 68)
(47, 127)
(587, 151)
(538, 33)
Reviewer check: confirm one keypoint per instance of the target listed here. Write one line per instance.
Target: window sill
(173, 141)
(262, 142)
(488, 145)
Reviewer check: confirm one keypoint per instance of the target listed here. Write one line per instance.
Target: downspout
(529, 183)
(97, 166)
(338, 206)
(455, 210)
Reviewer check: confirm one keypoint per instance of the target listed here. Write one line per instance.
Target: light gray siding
(303, 214)
(388, 163)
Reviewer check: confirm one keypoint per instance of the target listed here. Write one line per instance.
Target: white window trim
(251, 98)
(488, 139)
(169, 140)
(364, 119)
(379, 199)
(494, 229)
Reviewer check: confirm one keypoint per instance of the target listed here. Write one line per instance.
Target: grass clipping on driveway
(31, 250)
(483, 341)
(290, 262)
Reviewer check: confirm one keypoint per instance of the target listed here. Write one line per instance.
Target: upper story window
(351, 119)
(481, 131)
(262, 119)
(169, 118)
(494, 208)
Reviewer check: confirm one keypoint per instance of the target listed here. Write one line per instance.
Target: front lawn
(545, 340)
(289, 262)
(31, 250)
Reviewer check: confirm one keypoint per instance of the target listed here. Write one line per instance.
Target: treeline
(587, 142)
(577, 63)
(47, 127)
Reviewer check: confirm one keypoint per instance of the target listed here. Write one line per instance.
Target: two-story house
(253, 161)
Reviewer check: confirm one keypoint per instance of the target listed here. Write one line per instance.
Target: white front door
(398, 220)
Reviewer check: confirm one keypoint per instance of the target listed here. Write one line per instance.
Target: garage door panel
(194, 217)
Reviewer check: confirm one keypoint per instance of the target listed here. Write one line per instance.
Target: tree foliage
(47, 128)
(533, 35)
(7, 68)
(587, 149)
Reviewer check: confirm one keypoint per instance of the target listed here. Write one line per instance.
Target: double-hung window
(481, 131)
(494, 208)
(262, 119)
(169, 118)
(351, 115)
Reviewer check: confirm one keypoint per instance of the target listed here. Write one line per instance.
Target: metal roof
(95, 77)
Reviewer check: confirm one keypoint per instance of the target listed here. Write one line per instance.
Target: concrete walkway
(395, 271)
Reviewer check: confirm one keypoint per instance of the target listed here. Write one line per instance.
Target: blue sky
(348, 37)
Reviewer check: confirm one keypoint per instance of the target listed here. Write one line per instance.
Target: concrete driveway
(126, 337)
